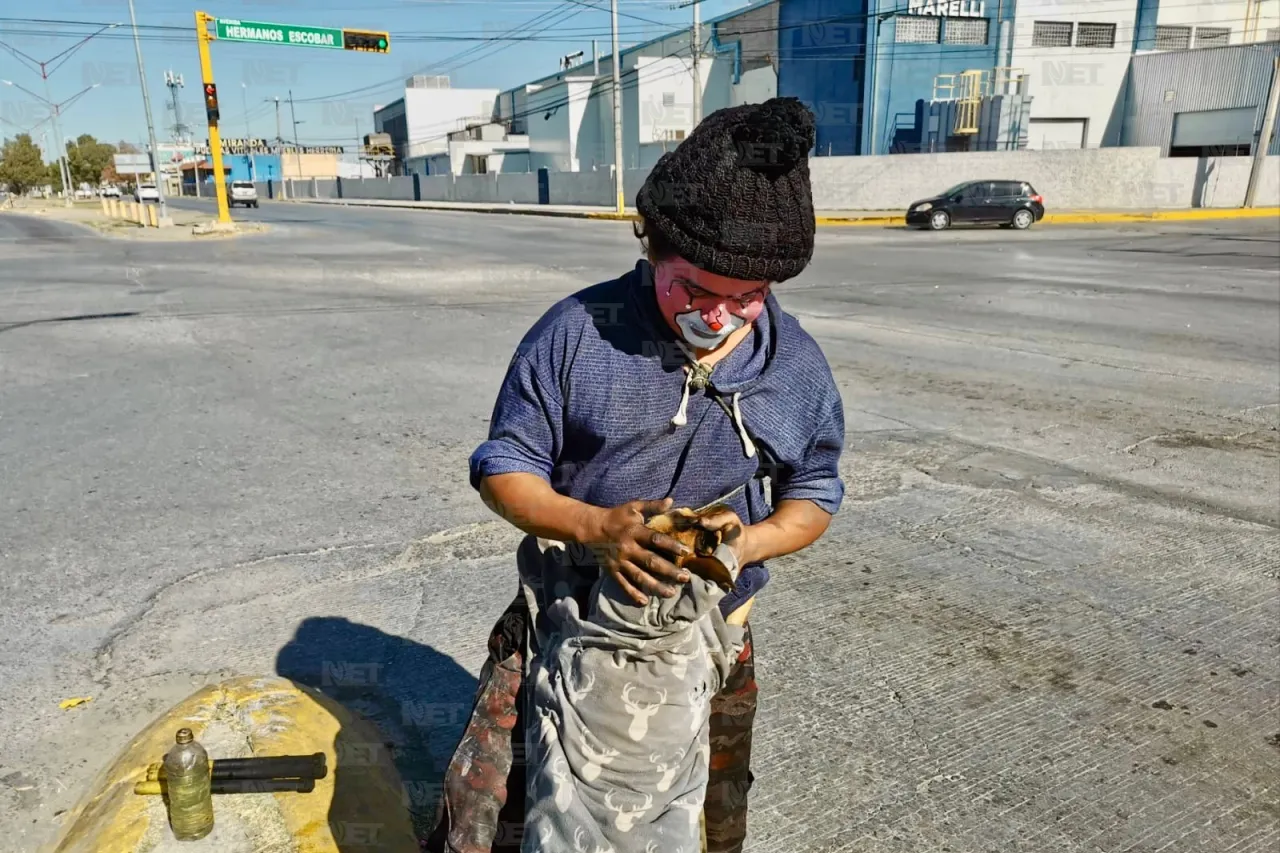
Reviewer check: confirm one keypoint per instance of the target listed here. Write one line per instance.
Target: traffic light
(367, 41)
(211, 101)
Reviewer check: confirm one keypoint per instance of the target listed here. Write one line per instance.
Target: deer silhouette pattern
(617, 709)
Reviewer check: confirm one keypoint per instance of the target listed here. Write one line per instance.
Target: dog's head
(683, 525)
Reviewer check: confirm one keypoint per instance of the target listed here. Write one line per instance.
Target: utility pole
(1264, 139)
(695, 49)
(64, 168)
(359, 161)
(163, 218)
(297, 147)
(697, 64)
(284, 187)
(618, 185)
(279, 135)
(244, 100)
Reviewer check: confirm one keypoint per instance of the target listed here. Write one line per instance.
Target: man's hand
(733, 532)
(637, 557)
(792, 526)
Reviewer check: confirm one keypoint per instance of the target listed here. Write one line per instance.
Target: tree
(89, 159)
(125, 148)
(22, 167)
(53, 176)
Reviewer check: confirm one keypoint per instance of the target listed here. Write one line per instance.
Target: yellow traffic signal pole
(215, 141)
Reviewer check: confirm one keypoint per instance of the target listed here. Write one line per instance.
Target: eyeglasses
(743, 299)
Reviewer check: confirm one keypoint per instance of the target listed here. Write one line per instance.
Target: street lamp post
(163, 218)
(64, 168)
(55, 110)
(253, 166)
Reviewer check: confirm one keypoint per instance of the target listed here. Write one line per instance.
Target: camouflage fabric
(733, 714)
(483, 807)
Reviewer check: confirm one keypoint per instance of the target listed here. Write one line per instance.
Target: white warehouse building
(1078, 55)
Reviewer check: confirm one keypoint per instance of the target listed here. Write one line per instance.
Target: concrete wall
(1106, 178)
(398, 188)
(589, 188)
(1215, 181)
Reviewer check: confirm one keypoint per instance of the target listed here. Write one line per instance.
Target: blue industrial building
(868, 68)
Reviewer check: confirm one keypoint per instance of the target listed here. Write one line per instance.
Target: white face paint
(698, 335)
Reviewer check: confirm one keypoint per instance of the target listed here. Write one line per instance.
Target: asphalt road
(1045, 619)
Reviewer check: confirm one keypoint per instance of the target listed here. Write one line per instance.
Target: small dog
(709, 561)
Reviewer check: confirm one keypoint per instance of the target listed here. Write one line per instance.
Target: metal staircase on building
(983, 109)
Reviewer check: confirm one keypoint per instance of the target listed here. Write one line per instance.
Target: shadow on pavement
(415, 697)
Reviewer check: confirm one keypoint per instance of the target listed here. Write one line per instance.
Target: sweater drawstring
(682, 415)
(748, 446)
(735, 414)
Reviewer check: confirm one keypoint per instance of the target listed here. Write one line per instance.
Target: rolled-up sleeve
(816, 476)
(526, 432)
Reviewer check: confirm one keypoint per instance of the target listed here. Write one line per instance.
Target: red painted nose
(714, 326)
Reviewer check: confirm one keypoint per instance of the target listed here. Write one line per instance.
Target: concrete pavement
(1044, 618)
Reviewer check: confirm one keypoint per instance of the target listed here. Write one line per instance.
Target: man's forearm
(528, 502)
(793, 526)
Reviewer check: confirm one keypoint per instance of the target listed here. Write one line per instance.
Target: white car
(111, 192)
(242, 192)
(146, 192)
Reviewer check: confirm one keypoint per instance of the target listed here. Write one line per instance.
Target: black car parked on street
(1009, 204)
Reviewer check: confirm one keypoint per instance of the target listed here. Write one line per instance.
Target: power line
(186, 33)
(559, 17)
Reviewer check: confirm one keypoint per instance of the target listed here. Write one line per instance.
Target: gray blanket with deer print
(617, 708)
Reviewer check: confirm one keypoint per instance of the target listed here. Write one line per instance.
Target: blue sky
(428, 36)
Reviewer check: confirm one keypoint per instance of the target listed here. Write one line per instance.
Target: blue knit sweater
(590, 394)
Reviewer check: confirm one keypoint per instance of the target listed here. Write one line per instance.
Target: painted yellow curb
(1196, 214)
(861, 220)
(361, 800)
(1091, 217)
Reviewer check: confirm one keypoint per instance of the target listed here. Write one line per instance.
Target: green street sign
(285, 34)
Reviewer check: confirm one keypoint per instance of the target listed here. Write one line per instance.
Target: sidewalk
(881, 218)
(187, 225)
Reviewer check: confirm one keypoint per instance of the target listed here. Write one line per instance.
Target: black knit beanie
(734, 197)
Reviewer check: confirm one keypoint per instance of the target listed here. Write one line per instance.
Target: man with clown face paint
(682, 383)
